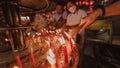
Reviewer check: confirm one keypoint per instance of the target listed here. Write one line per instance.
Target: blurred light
(87, 3)
(15, 66)
(80, 2)
(25, 18)
(91, 8)
(51, 54)
(91, 2)
(83, 2)
(50, 60)
(6, 40)
(51, 57)
(77, 3)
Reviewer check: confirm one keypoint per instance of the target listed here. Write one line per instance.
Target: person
(74, 18)
(111, 10)
(59, 16)
(39, 22)
(72, 23)
(75, 14)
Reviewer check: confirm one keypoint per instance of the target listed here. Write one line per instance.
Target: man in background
(59, 16)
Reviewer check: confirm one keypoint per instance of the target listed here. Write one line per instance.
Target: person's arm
(111, 10)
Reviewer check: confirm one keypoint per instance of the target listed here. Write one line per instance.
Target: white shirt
(56, 17)
(74, 19)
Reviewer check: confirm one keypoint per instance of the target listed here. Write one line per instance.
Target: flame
(31, 48)
(67, 35)
(61, 40)
(51, 57)
(51, 60)
(48, 43)
(6, 39)
(51, 54)
(15, 66)
(73, 42)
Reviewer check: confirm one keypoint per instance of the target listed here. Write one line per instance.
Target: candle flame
(31, 48)
(67, 35)
(51, 60)
(73, 42)
(61, 40)
(48, 43)
(6, 39)
(15, 66)
(51, 54)
(51, 57)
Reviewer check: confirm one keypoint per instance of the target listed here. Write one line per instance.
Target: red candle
(33, 59)
(65, 54)
(19, 61)
(56, 64)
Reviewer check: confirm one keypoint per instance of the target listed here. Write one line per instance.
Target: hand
(74, 31)
(88, 20)
(84, 23)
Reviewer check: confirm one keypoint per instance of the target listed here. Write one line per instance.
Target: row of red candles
(33, 59)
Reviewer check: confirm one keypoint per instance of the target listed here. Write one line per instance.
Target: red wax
(56, 64)
(19, 61)
(32, 57)
(65, 54)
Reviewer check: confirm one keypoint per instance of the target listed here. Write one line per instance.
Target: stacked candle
(51, 49)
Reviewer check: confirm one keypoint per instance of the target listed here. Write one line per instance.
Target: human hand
(73, 31)
(88, 20)
(84, 23)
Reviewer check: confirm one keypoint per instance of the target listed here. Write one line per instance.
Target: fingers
(83, 27)
(83, 24)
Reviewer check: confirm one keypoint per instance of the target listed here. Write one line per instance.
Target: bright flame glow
(6, 39)
(31, 48)
(67, 35)
(15, 66)
(73, 42)
(51, 60)
(48, 43)
(62, 40)
(51, 54)
(51, 57)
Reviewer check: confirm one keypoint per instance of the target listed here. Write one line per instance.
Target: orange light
(51, 57)
(50, 60)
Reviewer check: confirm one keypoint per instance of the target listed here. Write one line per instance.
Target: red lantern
(86, 3)
(91, 2)
(83, 2)
(80, 2)
(77, 3)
